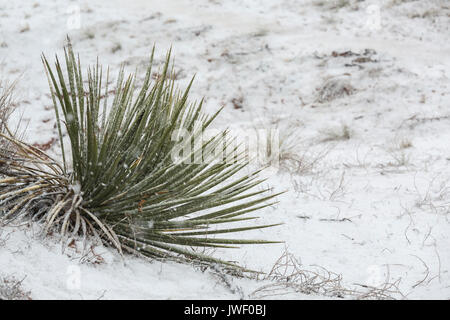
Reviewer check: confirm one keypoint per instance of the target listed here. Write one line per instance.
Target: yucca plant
(118, 181)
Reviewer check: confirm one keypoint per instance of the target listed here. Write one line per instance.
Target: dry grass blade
(288, 277)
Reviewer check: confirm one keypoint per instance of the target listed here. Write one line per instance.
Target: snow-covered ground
(359, 92)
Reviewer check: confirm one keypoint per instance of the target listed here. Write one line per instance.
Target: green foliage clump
(118, 180)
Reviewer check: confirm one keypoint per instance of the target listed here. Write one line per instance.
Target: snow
(76, 188)
(364, 133)
(52, 275)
